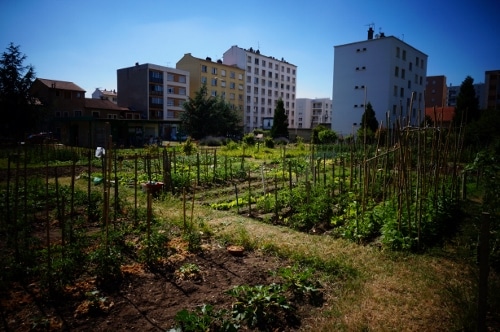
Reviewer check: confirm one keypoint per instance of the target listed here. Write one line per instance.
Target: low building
(110, 95)
(441, 117)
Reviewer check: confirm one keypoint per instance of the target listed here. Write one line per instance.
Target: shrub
(268, 142)
(249, 139)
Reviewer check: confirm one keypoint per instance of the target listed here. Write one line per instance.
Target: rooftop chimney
(370, 33)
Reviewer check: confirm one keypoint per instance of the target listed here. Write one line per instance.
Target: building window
(214, 71)
(170, 78)
(240, 86)
(95, 114)
(410, 66)
(397, 52)
(409, 84)
(231, 96)
(182, 91)
(256, 61)
(402, 73)
(223, 84)
(232, 74)
(395, 91)
(214, 93)
(249, 59)
(78, 114)
(203, 80)
(404, 55)
(232, 85)
(240, 77)
(112, 116)
(402, 92)
(204, 68)
(214, 82)
(396, 71)
(223, 73)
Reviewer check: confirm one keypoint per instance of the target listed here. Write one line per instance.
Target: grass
(367, 289)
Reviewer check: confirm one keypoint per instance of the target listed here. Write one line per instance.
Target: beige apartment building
(227, 82)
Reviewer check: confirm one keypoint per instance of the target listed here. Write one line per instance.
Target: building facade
(105, 94)
(267, 80)
(310, 113)
(79, 121)
(436, 91)
(158, 93)
(479, 88)
(383, 71)
(226, 82)
(492, 89)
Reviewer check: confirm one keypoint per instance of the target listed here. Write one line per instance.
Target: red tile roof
(103, 104)
(63, 85)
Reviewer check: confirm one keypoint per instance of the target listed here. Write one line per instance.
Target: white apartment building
(267, 80)
(384, 71)
(158, 93)
(310, 113)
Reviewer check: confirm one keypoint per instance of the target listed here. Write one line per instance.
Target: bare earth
(147, 301)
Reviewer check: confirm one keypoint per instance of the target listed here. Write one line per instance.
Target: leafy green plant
(189, 271)
(204, 318)
(259, 306)
(188, 147)
(194, 240)
(106, 265)
(155, 248)
(298, 281)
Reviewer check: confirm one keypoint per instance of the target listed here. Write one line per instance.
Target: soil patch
(147, 300)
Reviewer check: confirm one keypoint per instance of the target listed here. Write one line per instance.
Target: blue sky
(85, 42)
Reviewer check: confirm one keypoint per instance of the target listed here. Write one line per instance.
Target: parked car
(41, 138)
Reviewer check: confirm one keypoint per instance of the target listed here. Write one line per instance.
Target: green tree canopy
(323, 135)
(327, 136)
(18, 113)
(369, 119)
(209, 116)
(467, 109)
(280, 121)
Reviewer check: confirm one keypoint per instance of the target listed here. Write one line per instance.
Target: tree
(18, 113)
(323, 135)
(327, 136)
(467, 109)
(280, 122)
(369, 119)
(204, 116)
